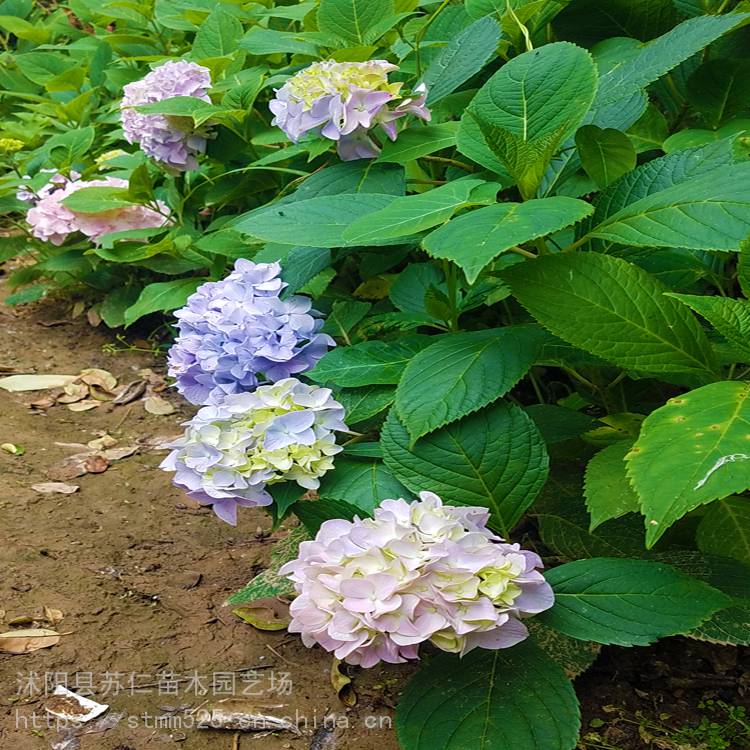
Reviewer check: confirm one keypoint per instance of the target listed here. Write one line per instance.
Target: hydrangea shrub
(488, 259)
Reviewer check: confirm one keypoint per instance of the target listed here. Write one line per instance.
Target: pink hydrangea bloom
(373, 590)
(52, 221)
(170, 140)
(343, 101)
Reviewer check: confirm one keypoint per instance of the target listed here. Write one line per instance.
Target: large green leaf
(720, 89)
(692, 450)
(368, 363)
(614, 310)
(419, 141)
(366, 402)
(627, 602)
(608, 491)
(218, 35)
(529, 107)
(510, 698)
(353, 21)
(319, 221)
(474, 239)
(462, 373)
(364, 484)
(95, 199)
(161, 296)
(493, 458)
(730, 317)
(466, 54)
(606, 153)
(411, 214)
(645, 63)
(725, 529)
(710, 212)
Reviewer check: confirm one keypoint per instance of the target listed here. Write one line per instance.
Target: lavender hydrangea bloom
(167, 139)
(343, 101)
(229, 453)
(373, 590)
(237, 333)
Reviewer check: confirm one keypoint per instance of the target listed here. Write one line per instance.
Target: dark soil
(141, 577)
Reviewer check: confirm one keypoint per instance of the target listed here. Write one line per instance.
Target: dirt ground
(141, 577)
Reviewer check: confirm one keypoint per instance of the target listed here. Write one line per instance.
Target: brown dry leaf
(21, 620)
(17, 383)
(96, 464)
(85, 405)
(158, 442)
(93, 317)
(94, 376)
(42, 404)
(158, 405)
(156, 381)
(53, 616)
(342, 684)
(73, 392)
(265, 614)
(99, 394)
(116, 454)
(78, 309)
(130, 392)
(49, 488)
(104, 441)
(26, 641)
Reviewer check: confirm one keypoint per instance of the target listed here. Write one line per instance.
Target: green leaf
(608, 491)
(28, 294)
(320, 221)
(416, 142)
(180, 106)
(475, 239)
(114, 305)
(720, 89)
(645, 63)
(466, 54)
(95, 199)
(353, 21)
(268, 583)
(461, 373)
(302, 264)
(614, 310)
(530, 106)
(218, 35)
(725, 529)
(365, 403)
(314, 513)
(494, 458)
(364, 484)
(730, 317)
(606, 154)
(262, 41)
(162, 296)
(411, 214)
(344, 316)
(557, 423)
(507, 698)
(410, 289)
(710, 212)
(24, 30)
(691, 451)
(743, 268)
(368, 363)
(627, 602)
(574, 656)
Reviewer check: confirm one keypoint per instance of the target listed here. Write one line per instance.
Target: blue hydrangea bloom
(237, 333)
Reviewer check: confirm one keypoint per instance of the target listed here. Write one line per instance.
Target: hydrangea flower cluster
(343, 101)
(237, 333)
(231, 451)
(170, 140)
(51, 221)
(373, 590)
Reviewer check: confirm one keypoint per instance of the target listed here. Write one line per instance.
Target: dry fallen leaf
(116, 454)
(85, 405)
(13, 449)
(102, 442)
(42, 404)
(78, 309)
(96, 464)
(93, 317)
(49, 488)
(77, 465)
(21, 620)
(342, 684)
(158, 405)
(130, 392)
(26, 641)
(53, 616)
(94, 376)
(16, 383)
(73, 392)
